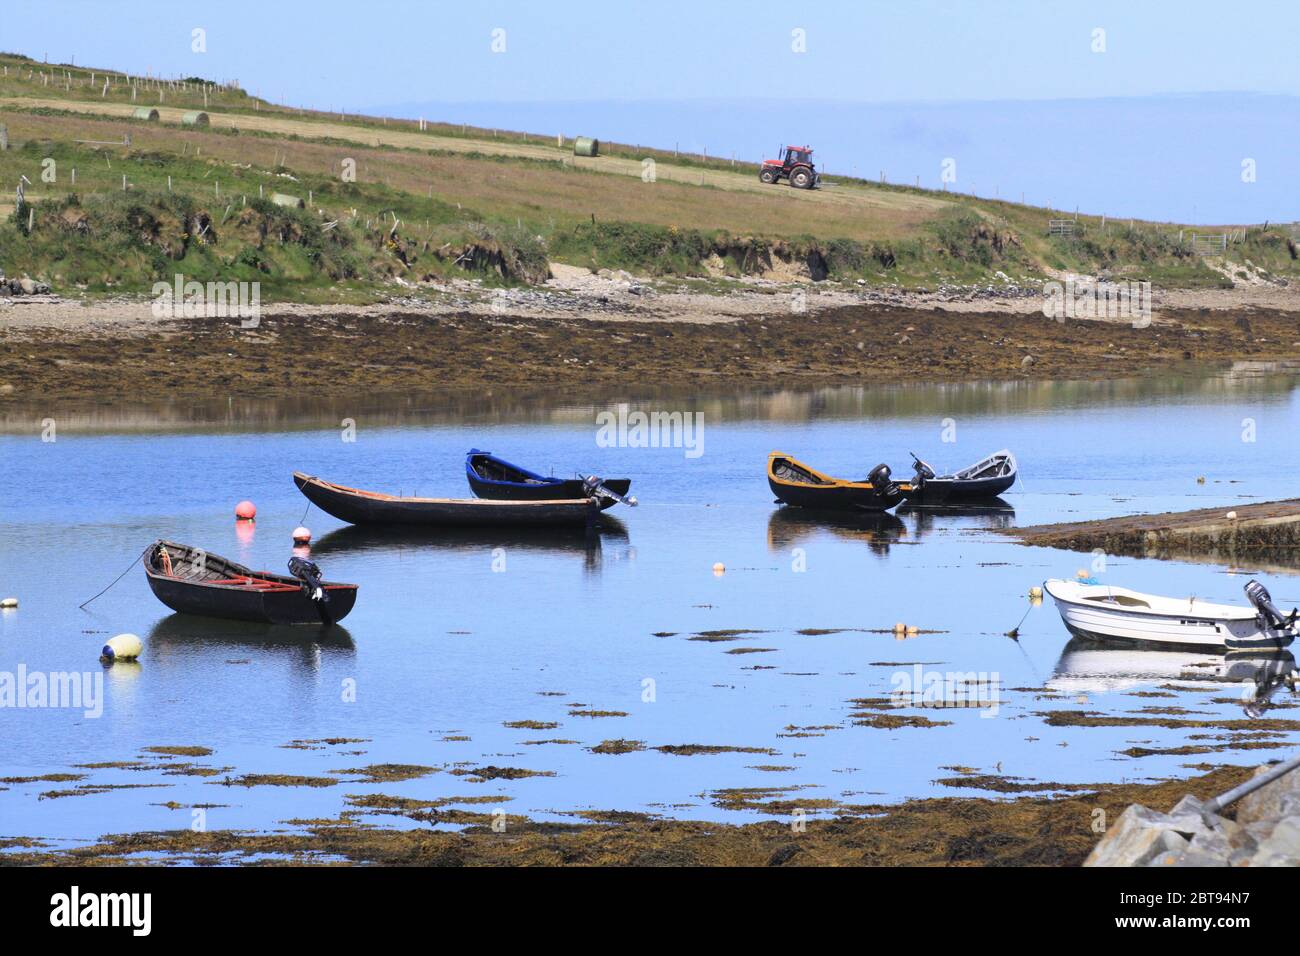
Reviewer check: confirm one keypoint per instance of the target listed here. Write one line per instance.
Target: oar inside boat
(495, 478)
(594, 486)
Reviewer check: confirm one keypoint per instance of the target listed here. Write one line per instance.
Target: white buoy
(124, 647)
(719, 568)
(9, 602)
(1035, 593)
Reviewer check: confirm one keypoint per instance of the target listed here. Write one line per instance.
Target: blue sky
(356, 54)
(1166, 97)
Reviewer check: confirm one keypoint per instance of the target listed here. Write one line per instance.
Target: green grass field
(104, 217)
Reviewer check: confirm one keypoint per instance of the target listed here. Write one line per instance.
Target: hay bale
(146, 113)
(195, 118)
(586, 146)
(284, 199)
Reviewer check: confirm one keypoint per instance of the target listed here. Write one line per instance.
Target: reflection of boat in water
(587, 542)
(1088, 667)
(788, 527)
(360, 539)
(994, 513)
(183, 630)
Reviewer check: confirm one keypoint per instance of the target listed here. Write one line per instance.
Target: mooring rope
(1014, 633)
(82, 605)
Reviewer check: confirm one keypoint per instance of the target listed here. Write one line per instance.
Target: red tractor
(795, 165)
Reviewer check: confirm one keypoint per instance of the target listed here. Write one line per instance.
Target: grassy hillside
(150, 199)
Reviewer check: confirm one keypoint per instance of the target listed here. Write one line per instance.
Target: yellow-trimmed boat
(803, 486)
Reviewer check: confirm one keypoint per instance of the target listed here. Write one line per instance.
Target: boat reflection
(589, 543)
(1091, 667)
(1268, 681)
(184, 632)
(994, 513)
(788, 527)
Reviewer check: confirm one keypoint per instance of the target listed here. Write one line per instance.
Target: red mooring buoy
(245, 511)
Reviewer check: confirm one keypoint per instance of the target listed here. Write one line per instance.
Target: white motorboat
(1102, 612)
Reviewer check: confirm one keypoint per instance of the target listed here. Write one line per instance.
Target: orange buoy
(245, 511)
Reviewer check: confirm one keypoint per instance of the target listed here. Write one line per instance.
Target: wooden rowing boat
(493, 477)
(982, 481)
(373, 507)
(194, 581)
(803, 486)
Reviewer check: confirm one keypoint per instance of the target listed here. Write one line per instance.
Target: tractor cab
(795, 166)
(794, 155)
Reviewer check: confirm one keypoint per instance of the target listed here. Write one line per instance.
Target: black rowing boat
(803, 486)
(193, 581)
(982, 481)
(496, 478)
(373, 507)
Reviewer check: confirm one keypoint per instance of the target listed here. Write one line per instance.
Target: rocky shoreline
(950, 831)
(1261, 533)
(99, 358)
(1263, 829)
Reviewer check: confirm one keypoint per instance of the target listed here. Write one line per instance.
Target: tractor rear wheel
(767, 176)
(801, 178)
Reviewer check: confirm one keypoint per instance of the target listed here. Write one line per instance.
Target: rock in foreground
(1265, 832)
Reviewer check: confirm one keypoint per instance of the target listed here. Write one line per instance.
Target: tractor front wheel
(801, 179)
(767, 176)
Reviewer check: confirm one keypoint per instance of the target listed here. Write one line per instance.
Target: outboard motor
(923, 471)
(880, 480)
(1268, 612)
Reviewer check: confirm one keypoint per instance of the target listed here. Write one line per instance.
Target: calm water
(453, 637)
